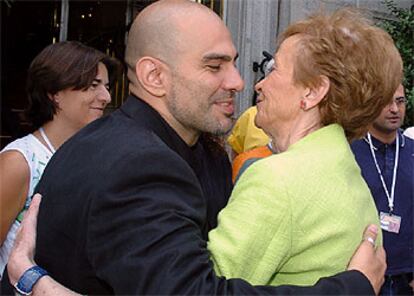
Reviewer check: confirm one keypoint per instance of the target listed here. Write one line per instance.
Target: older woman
(297, 216)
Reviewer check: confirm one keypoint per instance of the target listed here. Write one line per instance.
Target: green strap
(20, 216)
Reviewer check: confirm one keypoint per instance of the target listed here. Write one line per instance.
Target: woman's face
(279, 98)
(77, 108)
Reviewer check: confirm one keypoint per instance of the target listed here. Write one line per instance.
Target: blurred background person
(296, 216)
(386, 159)
(68, 87)
(245, 135)
(248, 142)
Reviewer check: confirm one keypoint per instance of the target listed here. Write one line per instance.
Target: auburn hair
(361, 61)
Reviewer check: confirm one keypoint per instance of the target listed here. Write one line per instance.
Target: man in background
(386, 158)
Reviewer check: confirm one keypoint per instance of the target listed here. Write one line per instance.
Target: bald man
(129, 200)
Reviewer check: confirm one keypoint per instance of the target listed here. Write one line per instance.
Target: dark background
(29, 26)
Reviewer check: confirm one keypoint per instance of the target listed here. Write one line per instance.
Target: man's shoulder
(408, 150)
(115, 130)
(409, 141)
(359, 142)
(113, 145)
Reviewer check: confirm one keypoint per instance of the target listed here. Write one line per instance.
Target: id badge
(390, 223)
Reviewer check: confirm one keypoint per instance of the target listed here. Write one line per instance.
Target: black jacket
(126, 210)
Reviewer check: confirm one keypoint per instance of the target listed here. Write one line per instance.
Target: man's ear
(150, 73)
(316, 94)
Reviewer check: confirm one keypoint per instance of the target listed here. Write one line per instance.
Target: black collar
(149, 118)
(378, 145)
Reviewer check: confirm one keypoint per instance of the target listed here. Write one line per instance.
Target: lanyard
(49, 145)
(390, 197)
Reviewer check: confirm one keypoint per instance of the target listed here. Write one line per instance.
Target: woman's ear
(150, 73)
(314, 95)
(54, 98)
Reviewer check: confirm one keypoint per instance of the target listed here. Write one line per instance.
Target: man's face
(204, 81)
(392, 116)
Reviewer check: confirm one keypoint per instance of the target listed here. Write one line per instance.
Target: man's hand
(22, 255)
(370, 260)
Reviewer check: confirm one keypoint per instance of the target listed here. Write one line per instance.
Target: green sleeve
(253, 237)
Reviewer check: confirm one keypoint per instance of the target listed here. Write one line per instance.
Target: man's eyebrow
(218, 56)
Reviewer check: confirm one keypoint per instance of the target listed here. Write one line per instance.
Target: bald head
(162, 30)
(181, 61)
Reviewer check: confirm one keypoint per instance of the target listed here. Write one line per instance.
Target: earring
(303, 105)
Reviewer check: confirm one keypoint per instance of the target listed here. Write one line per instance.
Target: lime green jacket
(296, 216)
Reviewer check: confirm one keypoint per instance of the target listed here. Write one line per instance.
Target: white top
(409, 132)
(36, 156)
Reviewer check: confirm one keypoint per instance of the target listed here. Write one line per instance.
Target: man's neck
(189, 136)
(386, 138)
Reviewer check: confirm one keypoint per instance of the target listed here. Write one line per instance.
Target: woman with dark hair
(68, 87)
